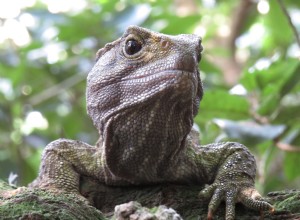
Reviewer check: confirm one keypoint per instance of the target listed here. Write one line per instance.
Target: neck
(139, 142)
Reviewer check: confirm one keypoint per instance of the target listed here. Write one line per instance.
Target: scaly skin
(142, 95)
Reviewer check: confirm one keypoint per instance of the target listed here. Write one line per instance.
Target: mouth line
(168, 73)
(163, 76)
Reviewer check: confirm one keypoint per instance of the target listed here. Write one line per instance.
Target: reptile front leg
(230, 170)
(64, 161)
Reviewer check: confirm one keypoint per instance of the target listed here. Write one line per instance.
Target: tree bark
(25, 203)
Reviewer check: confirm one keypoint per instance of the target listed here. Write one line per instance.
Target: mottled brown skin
(142, 95)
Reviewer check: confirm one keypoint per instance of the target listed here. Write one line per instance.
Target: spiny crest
(106, 48)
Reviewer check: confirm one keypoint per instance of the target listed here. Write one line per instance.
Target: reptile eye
(132, 47)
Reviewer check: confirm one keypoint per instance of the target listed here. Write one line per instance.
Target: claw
(261, 217)
(271, 210)
(207, 192)
(209, 215)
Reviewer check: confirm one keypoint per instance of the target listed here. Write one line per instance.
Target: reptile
(142, 95)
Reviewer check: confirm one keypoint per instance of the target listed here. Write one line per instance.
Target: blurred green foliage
(44, 62)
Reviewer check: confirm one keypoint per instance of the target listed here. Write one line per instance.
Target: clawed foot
(232, 193)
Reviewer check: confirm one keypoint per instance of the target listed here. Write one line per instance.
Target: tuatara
(142, 95)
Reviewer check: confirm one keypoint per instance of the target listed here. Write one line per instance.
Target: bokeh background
(250, 70)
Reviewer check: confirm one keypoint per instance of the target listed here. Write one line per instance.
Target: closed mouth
(165, 74)
(164, 77)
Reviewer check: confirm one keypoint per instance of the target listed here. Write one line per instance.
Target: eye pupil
(132, 47)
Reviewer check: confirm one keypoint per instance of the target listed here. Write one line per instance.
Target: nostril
(200, 45)
(198, 54)
(198, 57)
(199, 50)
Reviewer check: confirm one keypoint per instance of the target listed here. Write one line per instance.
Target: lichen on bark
(46, 204)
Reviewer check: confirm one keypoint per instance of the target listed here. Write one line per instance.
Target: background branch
(56, 89)
(283, 8)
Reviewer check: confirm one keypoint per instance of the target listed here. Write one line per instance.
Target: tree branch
(283, 8)
(287, 147)
(30, 203)
(56, 89)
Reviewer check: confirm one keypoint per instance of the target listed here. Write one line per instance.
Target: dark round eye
(132, 47)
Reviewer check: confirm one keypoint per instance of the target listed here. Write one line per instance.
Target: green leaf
(269, 104)
(249, 131)
(292, 80)
(288, 115)
(221, 104)
(282, 73)
(248, 80)
(276, 23)
(291, 162)
(276, 91)
(272, 83)
(209, 67)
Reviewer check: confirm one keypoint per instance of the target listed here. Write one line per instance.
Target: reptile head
(141, 68)
(142, 95)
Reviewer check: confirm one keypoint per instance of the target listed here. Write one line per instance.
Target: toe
(252, 199)
(214, 203)
(207, 192)
(230, 204)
